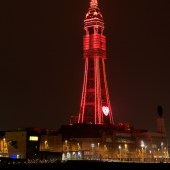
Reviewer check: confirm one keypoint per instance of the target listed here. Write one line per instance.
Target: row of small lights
(142, 144)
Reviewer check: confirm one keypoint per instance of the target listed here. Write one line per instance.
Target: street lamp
(66, 145)
(98, 149)
(78, 146)
(4, 147)
(106, 151)
(142, 144)
(120, 151)
(92, 147)
(98, 144)
(162, 145)
(145, 151)
(126, 149)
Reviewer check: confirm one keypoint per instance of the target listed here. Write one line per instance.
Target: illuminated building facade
(30, 144)
(95, 103)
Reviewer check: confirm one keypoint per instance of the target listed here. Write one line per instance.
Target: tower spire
(95, 104)
(93, 3)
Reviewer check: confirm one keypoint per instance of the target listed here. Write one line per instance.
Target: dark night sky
(42, 66)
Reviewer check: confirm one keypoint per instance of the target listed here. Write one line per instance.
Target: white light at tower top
(93, 3)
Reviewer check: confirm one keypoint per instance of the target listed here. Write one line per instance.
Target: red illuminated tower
(95, 103)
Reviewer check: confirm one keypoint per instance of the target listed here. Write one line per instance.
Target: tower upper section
(94, 40)
(93, 23)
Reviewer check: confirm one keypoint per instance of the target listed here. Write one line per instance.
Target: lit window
(68, 155)
(33, 138)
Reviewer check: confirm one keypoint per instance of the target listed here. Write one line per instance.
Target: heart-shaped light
(105, 110)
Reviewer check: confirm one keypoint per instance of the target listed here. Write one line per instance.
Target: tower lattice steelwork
(95, 103)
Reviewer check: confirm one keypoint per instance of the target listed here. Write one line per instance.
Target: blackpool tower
(95, 105)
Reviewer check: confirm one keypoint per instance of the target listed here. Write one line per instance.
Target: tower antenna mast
(93, 3)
